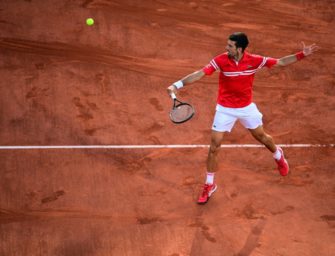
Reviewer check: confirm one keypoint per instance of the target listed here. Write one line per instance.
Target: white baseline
(162, 146)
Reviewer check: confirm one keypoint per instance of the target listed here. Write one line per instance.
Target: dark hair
(241, 40)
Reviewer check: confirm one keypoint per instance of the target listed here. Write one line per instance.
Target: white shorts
(225, 118)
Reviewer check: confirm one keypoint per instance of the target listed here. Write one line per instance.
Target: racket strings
(181, 113)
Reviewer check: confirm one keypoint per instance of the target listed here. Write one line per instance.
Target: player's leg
(252, 120)
(266, 139)
(222, 123)
(216, 140)
(210, 186)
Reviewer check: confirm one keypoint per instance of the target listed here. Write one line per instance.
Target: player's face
(231, 48)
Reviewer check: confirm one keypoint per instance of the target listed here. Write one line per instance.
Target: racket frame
(177, 103)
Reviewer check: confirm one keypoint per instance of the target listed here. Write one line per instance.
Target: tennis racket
(181, 111)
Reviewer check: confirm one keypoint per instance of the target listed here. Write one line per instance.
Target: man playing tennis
(234, 102)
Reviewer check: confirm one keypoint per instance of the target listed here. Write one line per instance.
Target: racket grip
(173, 95)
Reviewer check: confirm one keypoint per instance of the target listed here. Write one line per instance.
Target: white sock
(277, 154)
(210, 178)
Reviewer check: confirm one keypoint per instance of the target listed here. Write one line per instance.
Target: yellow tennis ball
(89, 21)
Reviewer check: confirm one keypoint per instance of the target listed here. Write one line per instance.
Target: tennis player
(237, 69)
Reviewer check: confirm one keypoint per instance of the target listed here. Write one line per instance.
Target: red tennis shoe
(283, 167)
(207, 191)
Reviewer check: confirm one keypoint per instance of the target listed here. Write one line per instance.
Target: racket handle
(173, 95)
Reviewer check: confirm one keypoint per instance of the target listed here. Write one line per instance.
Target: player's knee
(215, 146)
(216, 140)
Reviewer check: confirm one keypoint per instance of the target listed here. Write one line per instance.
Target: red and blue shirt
(236, 78)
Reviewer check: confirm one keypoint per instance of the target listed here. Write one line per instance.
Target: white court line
(162, 146)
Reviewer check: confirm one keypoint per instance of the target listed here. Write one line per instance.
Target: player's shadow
(253, 238)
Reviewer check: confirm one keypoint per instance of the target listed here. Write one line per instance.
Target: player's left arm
(289, 59)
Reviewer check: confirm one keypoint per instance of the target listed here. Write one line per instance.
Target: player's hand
(172, 89)
(309, 49)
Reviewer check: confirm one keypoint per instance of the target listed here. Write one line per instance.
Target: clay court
(128, 180)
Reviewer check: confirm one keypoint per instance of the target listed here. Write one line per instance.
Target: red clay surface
(65, 83)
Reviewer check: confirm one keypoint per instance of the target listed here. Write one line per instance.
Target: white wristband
(178, 84)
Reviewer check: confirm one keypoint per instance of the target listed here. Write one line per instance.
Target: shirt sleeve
(211, 67)
(270, 62)
(261, 61)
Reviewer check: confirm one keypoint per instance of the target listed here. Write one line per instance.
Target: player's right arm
(189, 79)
